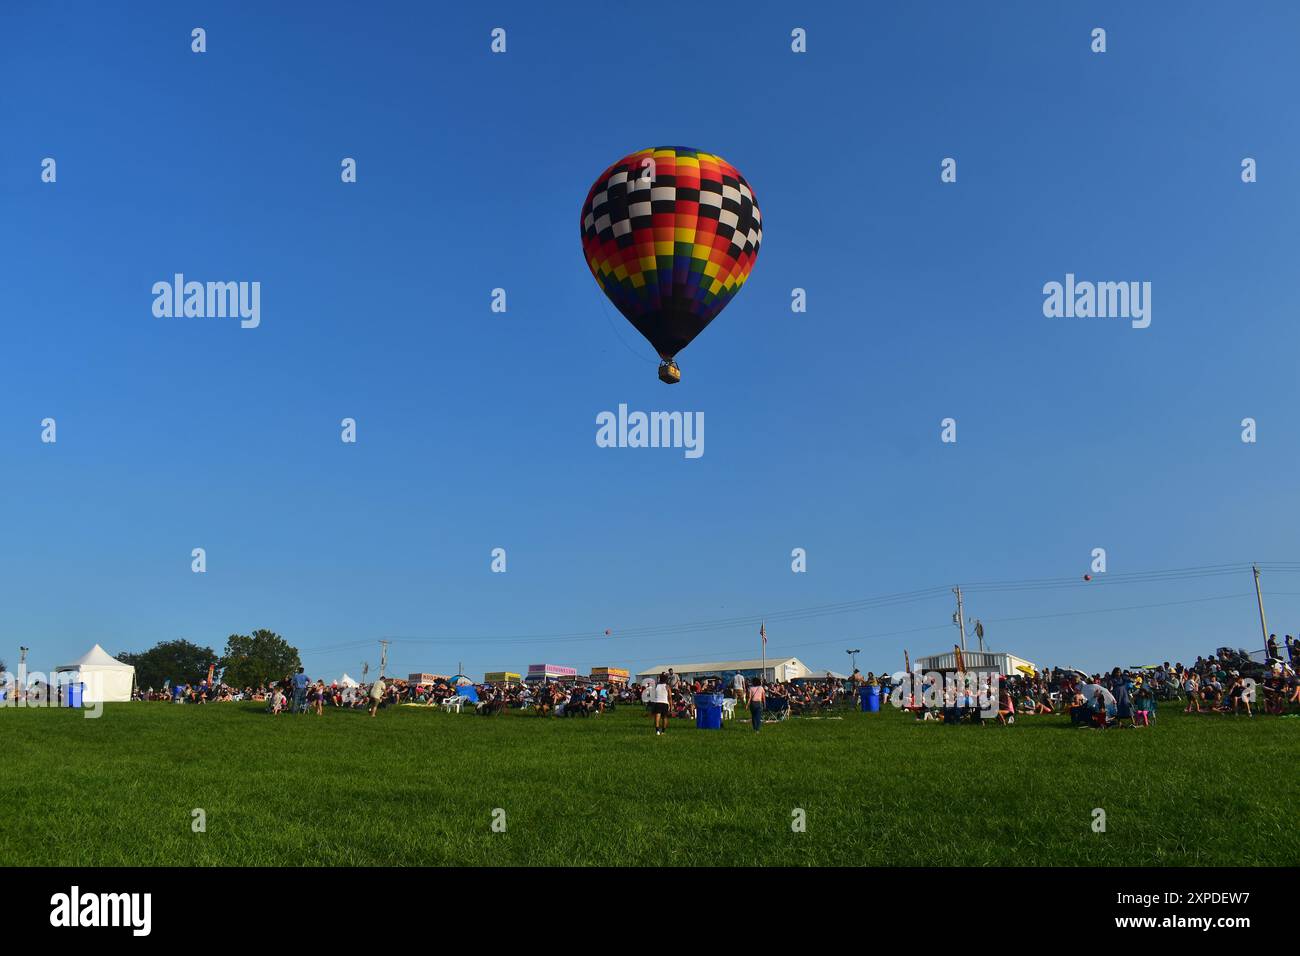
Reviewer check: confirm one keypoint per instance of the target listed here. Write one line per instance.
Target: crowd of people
(1225, 682)
(298, 693)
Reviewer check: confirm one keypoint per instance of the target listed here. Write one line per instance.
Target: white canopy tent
(346, 681)
(106, 678)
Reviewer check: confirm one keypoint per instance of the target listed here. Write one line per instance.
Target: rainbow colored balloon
(671, 234)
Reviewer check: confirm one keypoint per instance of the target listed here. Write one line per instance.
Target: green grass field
(419, 787)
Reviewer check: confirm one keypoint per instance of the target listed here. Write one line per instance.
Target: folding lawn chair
(775, 708)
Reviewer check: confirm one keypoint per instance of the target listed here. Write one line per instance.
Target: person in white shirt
(738, 692)
(659, 699)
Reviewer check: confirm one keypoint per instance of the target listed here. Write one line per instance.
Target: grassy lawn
(419, 787)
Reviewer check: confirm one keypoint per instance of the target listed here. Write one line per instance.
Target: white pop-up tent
(346, 681)
(106, 678)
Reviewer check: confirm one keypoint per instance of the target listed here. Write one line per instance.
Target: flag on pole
(762, 632)
(907, 663)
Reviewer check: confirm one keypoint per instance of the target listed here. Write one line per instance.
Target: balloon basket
(669, 373)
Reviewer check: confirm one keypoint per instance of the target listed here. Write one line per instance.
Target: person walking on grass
(376, 695)
(300, 682)
(757, 697)
(1122, 687)
(738, 689)
(659, 700)
(1144, 705)
(1193, 694)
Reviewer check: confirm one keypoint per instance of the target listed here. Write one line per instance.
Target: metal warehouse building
(777, 669)
(977, 662)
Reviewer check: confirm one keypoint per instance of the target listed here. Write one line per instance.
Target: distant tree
(252, 660)
(179, 661)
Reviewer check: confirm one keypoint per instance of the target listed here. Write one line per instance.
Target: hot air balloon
(670, 234)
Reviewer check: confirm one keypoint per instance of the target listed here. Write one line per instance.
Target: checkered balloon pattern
(671, 235)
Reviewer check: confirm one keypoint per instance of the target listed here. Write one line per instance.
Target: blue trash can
(74, 694)
(869, 699)
(708, 711)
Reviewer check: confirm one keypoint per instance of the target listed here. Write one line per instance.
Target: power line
(878, 602)
(1111, 610)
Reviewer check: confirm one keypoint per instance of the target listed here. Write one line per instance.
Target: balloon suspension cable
(613, 327)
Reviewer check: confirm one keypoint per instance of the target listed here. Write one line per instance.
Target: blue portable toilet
(869, 699)
(75, 693)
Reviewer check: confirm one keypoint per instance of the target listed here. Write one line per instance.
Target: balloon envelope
(671, 234)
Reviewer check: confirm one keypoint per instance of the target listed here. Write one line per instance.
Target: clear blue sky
(476, 430)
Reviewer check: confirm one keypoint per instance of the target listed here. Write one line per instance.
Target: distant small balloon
(607, 632)
(1087, 577)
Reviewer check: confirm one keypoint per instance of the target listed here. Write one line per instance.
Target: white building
(777, 669)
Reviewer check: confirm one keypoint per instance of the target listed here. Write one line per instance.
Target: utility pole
(1259, 598)
(960, 618)
(383, 657)
(853, 655)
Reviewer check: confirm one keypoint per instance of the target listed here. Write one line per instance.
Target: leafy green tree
(252, 660)
(181, 662)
